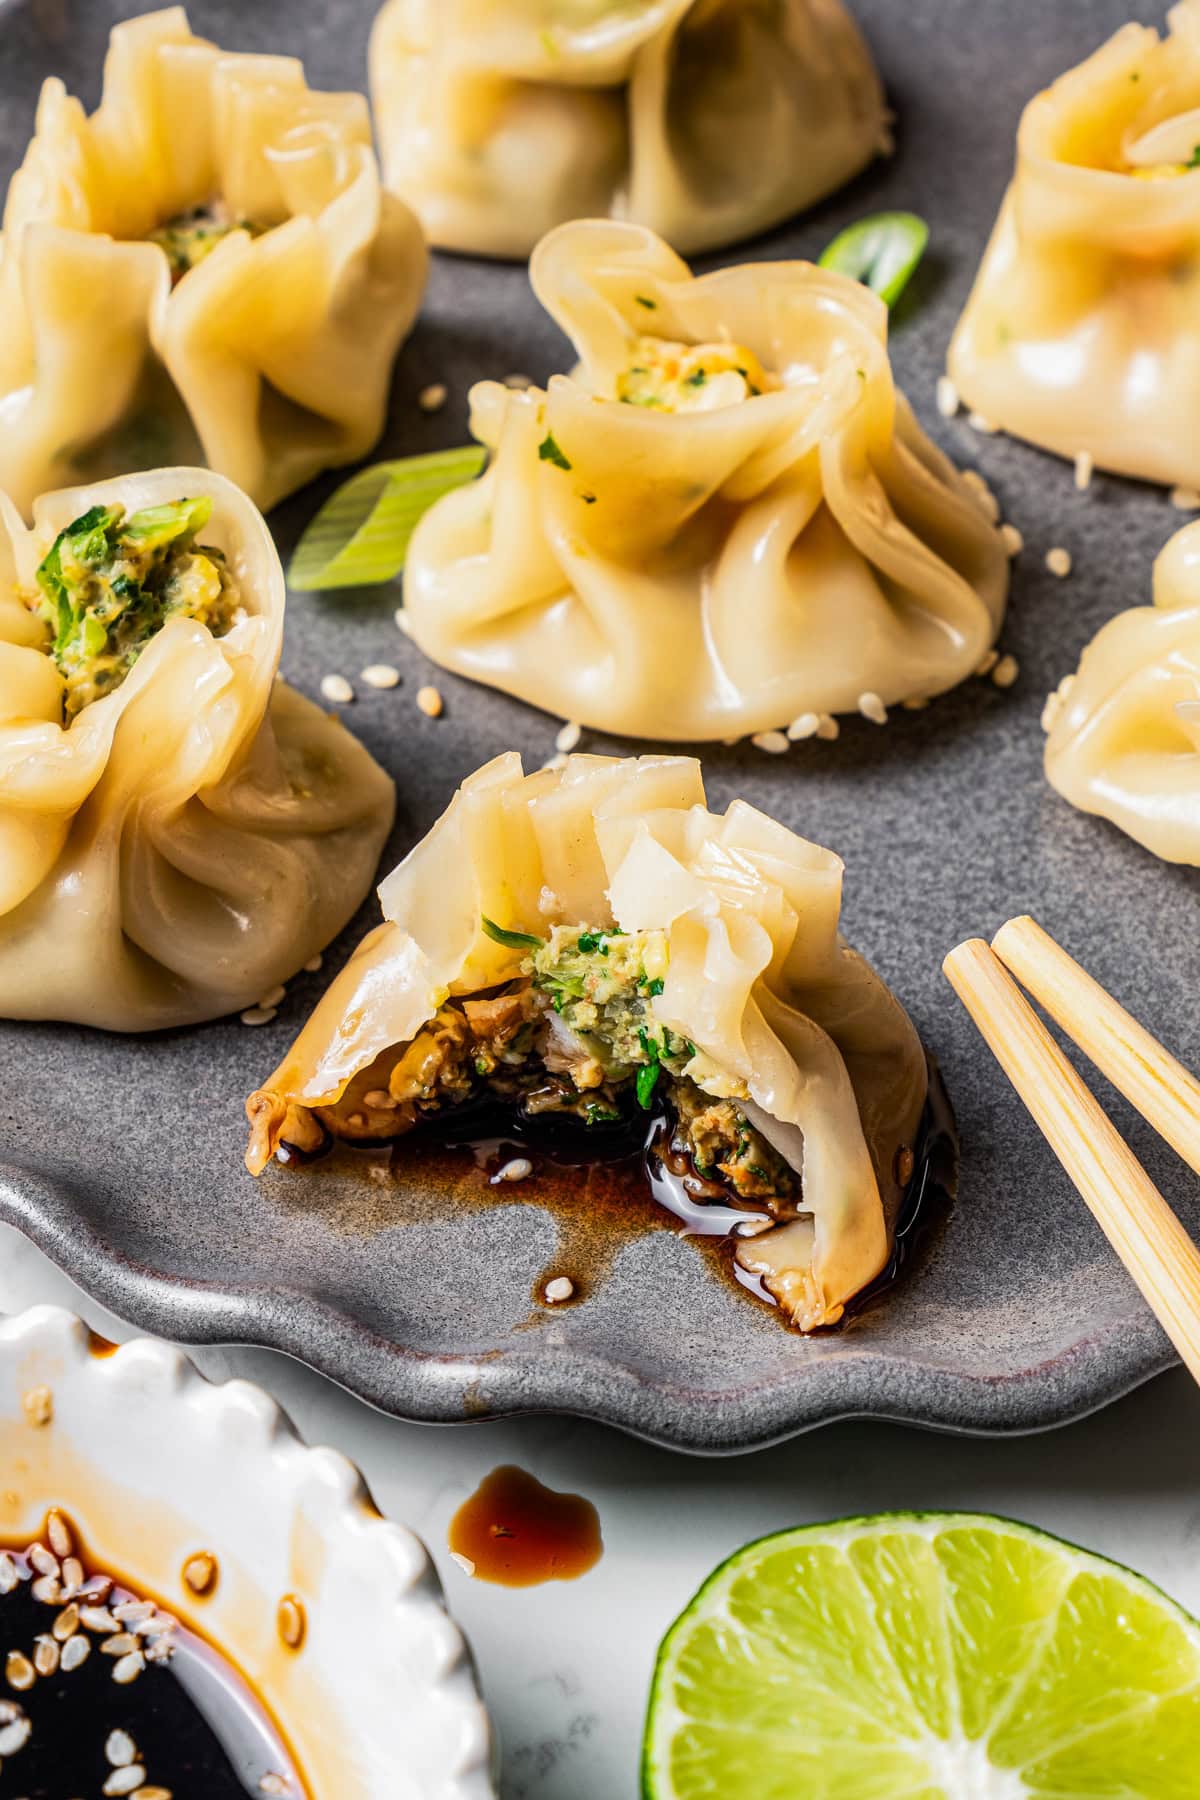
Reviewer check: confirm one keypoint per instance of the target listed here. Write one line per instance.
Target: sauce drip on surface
(515, 1532)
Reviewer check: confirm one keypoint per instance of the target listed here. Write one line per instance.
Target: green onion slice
(361, 535)
(512, 940)
(881, 251)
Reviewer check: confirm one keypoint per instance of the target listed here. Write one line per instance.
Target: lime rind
(924, 1656)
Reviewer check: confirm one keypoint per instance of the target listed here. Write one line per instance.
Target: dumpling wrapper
(707, 120)
(1125, 738)
(270, 360)
(786, 1018)
(701, 575)
(1080, 331)
(194, 836)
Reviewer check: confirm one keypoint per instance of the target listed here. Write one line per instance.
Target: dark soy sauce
(515, 1532)
(197, 1729)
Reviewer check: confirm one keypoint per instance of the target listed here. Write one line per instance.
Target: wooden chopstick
(1152, 1244)
(1165, 1093)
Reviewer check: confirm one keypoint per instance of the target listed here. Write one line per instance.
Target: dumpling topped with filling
(1080, 332)
(179, 831)
(727, 517)
(205, 269)
(1124, 732)
(592, 946)
(707, 120)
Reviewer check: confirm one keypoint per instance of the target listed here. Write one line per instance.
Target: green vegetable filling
(190, 237)
(110, 582)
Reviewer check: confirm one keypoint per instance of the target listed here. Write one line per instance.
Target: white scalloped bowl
(154, 1463)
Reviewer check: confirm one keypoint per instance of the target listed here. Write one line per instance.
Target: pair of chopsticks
(1138, 1223)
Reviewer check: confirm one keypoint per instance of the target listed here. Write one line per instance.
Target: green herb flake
(647, 1081)
(512, 940)
(696, 379)
(1193, 161)
(647, 302)
(601, 1115)
(548, 451)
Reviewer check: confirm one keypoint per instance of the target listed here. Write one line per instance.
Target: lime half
(925, 1656)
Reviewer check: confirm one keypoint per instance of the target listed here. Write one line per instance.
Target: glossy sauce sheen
(199, 1729)
(517, 1533)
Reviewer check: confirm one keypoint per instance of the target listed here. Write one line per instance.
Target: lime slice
(925, 1656)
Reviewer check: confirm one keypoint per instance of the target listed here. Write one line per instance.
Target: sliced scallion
(881, 251)
(361, 535)
(512, 940)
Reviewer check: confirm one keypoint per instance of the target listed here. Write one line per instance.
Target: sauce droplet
(516, 1532)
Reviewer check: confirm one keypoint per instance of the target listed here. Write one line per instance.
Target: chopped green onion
(512, 940)
(361, 535)
(1194, 159)
(654, 988)
(881, 251)
(548, 451)
(645, 300)
(601, 1115)
(647, 1081)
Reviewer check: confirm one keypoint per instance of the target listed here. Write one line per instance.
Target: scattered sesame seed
(988, 500)
(96, 1618)
(429, 701)
(129, 1668)
(805, 726)
(518, 381)
(66, 1624)
(561, 1288)
(432, 398)
(258, 1015)
(1185, 499)
(336, 689)
(46, 1652)
(557, 761)
(15, 1734)
(948, 401)
(515, 1169)
(401, 618)
(381, 675)
(1058, 561)
(773, 742)
(43, 1560)
(464, 1562)
(272, 998)
(988, 663)
(8, 1573)
(291, 1621)
(10, 1710)
(977, 422)
(828, 727)
(119, 1645)
(131, 1612)
(61, 1541)
(1085, 464)
(72, 1572)
(19, 1672)
(872, 707)
(37, 1403)
(1014, 543)
(75, 1651)
(569, 736)
(151, 1793)
(124, 1780)
(47, 1589)
(1006, 671)
(313, 963)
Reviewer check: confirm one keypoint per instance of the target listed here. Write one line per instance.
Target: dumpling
(706, 120)
(1080, 332)
(179, 831)
(592, 945)
(1124, 733)
(206, 269)
(726, 518)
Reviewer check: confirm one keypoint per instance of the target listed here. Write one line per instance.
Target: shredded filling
(575, 1034)
(110, 582)
(671, 377)
(191, 236)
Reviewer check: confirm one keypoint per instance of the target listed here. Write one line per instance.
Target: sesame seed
(1185, 499)
(61, 1541)
(314, 963)
(557, 761)
(1058, 561)
(828, 727)
(988, 663)
(948, 401)
(75, 1651)
(19, 1672)
(569, 736)
(515, 1169)
(37, 1404)
(291, 1621)
(161, 1650)
(429, 701)
(1006, 671)
(401, 618)
(337, 689)
(381, 675)
(121, 1644)
(73, 1572)
(46, 1653)
(120, 1749)
(151, 1793)
(124, 1780)
(977, 422)
(464, 1562)
(10, 1710)
(96, 1618)
(258, 1015)
(66, 1624)
(271, 999)
(773, 742)
(805, 726)
(47, 1589)
(129, 1668)
(1085, 464)
(1014, 543)
(518, 381)
(43, 1560)
(130, 1612)
(8, 1573)
(432, 398)
(561, 1288)
(872, 707)
(16, 1733)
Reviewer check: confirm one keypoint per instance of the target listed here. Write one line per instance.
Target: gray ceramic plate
(123, 1157)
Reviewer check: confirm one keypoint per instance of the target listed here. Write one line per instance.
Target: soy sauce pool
(160, 1702)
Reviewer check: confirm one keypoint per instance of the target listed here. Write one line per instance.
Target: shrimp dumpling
(591, 946)
(179, 830)
(725, 518)
(207, 269)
